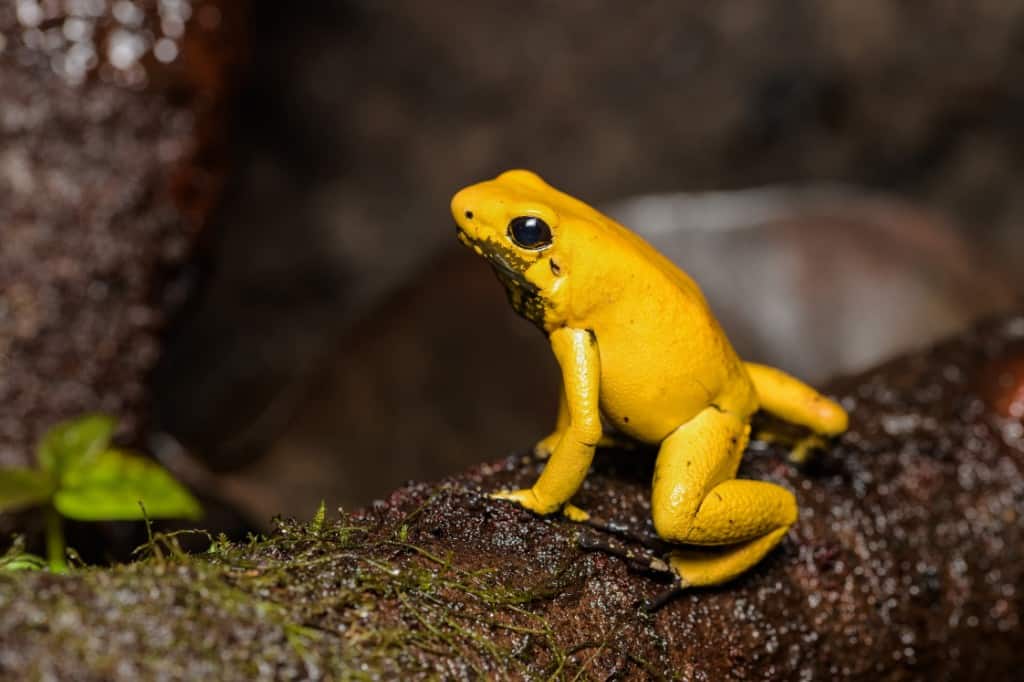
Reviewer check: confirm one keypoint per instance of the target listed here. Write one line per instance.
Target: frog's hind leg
(795, 401)
(751, 516)
(697, 501)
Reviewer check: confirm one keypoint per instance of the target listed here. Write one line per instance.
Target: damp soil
(905, 564)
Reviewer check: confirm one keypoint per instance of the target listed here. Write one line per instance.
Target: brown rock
(1003, 384)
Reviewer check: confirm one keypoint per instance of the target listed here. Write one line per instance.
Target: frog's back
(654, 259)
(631, 249)
(638, 276)
(664, 356)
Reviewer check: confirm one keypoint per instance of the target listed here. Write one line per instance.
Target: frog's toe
(801, 450)
(664, 597)
(511, 495)
(527, 499)
(574, 513)
(544, 447)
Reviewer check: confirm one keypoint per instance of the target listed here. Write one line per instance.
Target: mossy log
(906, 564)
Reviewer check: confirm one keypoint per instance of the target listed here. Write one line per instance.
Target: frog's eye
(529, 232)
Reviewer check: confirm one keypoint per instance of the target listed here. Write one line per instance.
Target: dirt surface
(905, 564)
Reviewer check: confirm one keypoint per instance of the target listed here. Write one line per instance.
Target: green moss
(332, 597)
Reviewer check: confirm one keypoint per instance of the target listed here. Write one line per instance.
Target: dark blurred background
(841, 177)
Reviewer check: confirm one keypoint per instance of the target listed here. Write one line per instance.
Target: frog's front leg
(547, 445)
(577, 354)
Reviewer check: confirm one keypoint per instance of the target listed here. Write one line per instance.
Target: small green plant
(17, 559)
(81, 477)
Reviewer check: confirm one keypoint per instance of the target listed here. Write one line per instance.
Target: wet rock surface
(905, 564)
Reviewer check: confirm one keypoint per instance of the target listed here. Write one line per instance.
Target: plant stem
(55, 541)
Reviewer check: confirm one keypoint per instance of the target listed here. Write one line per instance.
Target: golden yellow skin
(640, 353)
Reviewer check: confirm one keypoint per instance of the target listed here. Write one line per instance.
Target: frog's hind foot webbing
(638, 536)
(637, 561)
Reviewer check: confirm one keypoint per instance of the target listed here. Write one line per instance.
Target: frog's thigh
(751, 517)
(740, 510)
(692, 460)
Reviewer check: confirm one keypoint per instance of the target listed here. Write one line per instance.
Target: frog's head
(510, 220)
(519, 224)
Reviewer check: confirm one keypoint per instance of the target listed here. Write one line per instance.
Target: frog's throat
(525, 297)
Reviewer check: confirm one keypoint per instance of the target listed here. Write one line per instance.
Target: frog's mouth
(499, 263)
(505, 267)
(524, 295)
(508, 266)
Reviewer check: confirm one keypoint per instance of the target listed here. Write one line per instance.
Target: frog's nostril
(469, 215)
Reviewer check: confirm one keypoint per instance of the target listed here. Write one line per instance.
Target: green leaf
(114, 483)
(20, 488)
(73, 443)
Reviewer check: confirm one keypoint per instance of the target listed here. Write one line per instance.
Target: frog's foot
(639, 560)
(800, 447)
(574, 513)
(665, 596)
(706, 566)
(527, 499)
(800, 451)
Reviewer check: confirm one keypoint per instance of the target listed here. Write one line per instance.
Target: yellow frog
(642, 355)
